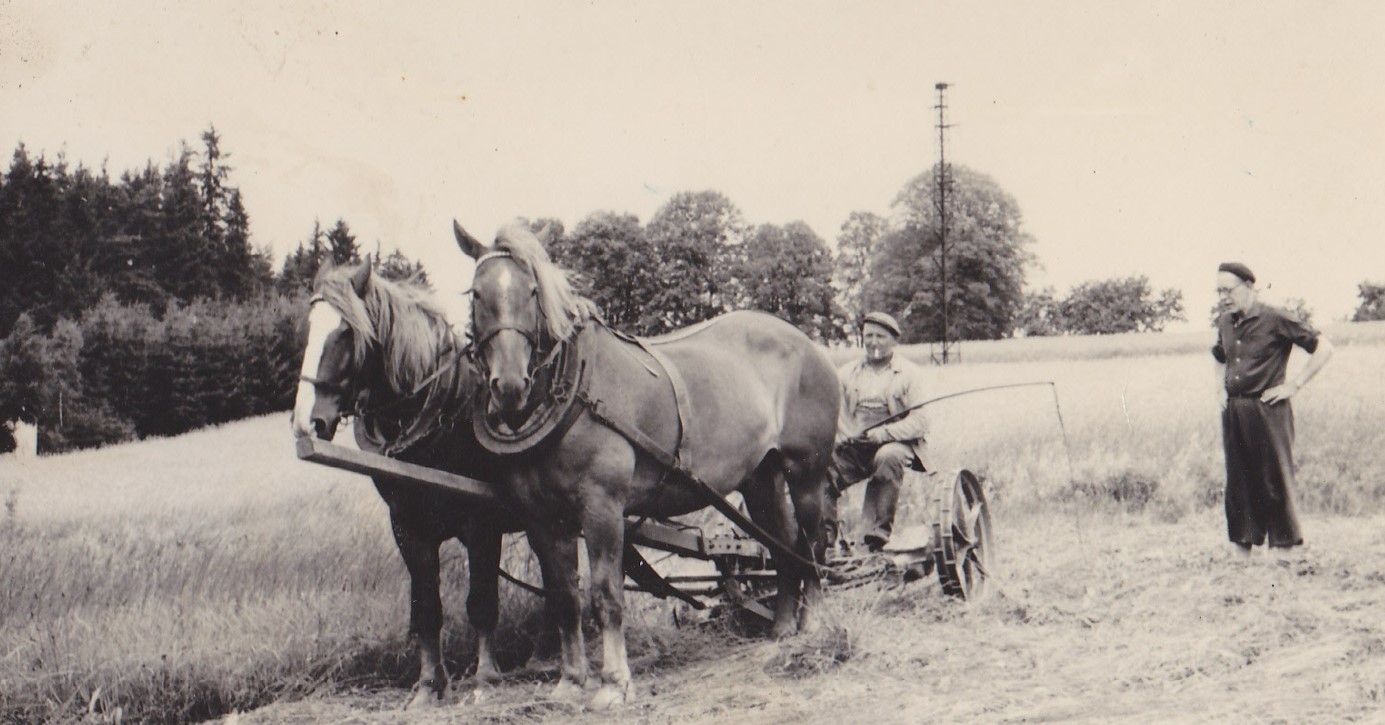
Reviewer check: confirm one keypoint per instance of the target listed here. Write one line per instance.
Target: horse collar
(551, 415)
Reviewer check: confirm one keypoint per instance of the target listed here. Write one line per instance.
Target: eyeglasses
(1227, 290)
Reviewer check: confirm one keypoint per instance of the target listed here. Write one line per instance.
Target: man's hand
(877, 435)
(1279, 393)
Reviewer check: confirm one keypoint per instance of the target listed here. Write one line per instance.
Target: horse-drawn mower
(954, 544)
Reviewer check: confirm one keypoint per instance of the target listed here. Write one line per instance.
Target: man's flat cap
(1238, 269)
(882, 319)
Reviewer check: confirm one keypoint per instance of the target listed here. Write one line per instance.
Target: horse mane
(403, 318)
(562, 307)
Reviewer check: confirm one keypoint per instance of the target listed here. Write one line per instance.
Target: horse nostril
(495, 384)
(320, 427)
(527, 380)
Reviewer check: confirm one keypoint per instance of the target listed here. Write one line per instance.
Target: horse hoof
(488, 676)
(783, 631)
(478, 695)
(610, 695)
(424, 698)
(566, 690)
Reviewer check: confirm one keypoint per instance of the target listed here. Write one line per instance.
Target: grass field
(186, 578)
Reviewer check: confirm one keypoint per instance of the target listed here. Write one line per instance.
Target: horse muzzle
(314, 414)
(509, 394)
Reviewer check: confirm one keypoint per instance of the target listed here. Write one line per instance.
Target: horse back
(750, 383)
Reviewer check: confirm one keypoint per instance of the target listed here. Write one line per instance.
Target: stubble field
(210, 574)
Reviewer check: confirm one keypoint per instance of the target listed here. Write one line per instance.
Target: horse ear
(360, 280)
(471, 247)
(545, 234)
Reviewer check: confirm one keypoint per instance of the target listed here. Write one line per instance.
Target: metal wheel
(961, 534)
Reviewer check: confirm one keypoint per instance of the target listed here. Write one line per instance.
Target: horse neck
(397, 383)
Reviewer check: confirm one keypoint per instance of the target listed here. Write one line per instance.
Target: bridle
(533, 335)
(346, 391)
(425, 394)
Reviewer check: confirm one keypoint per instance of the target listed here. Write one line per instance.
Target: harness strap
(596, 409)
(681, 450)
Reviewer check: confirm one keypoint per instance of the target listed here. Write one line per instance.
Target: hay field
(187, 578)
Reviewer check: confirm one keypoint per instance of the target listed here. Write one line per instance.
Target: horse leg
(767, 499)
(808, 492)
(483, 594)
(557, 555)
(425, 613)
(604, 526)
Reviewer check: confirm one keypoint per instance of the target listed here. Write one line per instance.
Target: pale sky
(1138, 138)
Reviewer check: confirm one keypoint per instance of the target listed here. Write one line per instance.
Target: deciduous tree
(986, 256)
(861, 234)
(1372, 305)
(613, 264)
(786, 271)
(692, 235)
(1116, 305)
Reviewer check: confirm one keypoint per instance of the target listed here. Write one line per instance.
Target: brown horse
(743, 403)
(385, 353)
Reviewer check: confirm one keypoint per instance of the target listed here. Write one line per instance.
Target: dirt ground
(1094, 618)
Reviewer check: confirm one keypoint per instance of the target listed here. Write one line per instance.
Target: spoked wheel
(961, 534)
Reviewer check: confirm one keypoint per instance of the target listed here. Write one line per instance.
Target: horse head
(336, 356)
(507, 323)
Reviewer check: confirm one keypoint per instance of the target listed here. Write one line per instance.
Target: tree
(860, 235)
(180, 257)
(212, 187)
(40, 383)
(986, 260)
(1372, 305)
(300, 267)
(1119, 305)
(1039, 316)
(341, 245)
(786, 271)
(614, 264)
(400, 268)
(692, 235)
(1298, 307)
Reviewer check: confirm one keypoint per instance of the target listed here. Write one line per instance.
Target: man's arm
(1220, 389)
(1219, 354)
(1316, 361)
(911, 427)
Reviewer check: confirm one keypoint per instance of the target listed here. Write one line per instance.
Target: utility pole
(942, 184)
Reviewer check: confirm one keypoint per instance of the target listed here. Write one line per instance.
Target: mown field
(188, 578)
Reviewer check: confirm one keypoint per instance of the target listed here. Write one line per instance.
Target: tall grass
(181, 578)
(1145, 432)
(176, 579)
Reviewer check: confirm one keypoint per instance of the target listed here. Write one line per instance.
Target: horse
(385, 353)
(592, 426)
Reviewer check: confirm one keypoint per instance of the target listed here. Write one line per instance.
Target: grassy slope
(180, 578)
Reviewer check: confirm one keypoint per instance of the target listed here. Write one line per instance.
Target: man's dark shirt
(1255, 347)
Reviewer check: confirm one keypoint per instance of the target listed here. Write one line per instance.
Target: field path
(1136, 621)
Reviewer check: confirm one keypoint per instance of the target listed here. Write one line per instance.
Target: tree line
(139, 305)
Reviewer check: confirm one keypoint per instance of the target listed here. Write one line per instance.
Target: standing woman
(1252, 352)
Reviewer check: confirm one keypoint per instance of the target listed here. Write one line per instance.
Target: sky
(1138, 138)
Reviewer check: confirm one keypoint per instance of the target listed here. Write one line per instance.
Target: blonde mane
(562, 307)
(410, 327)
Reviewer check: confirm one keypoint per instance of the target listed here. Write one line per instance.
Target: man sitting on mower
(879, 430)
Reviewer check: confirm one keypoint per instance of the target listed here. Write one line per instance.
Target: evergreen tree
(400, 268)
(300, 267)
(341, 245)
